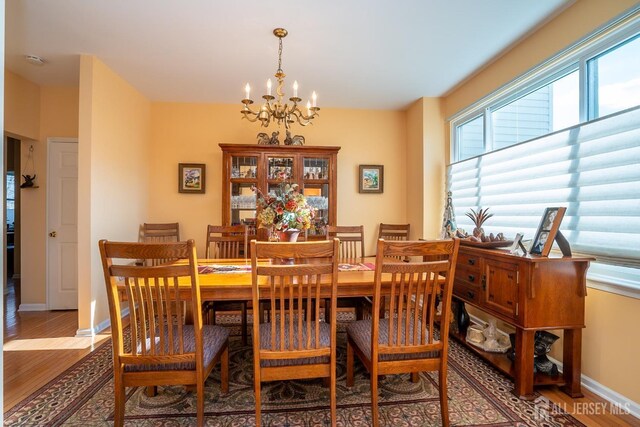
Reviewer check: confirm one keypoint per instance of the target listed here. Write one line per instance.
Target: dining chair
(224, 242)
(394, 231)
(160, 233)
(293, 343)
(351, 250)
(159, 348)
(406, 341)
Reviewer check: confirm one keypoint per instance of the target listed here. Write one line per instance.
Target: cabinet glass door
(315, 178)
(244, 171)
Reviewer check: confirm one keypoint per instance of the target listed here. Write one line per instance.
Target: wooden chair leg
(244, 322)
(200, 402)
(224, 370)
(349, 363)
(333, 397)
(256, 387)
(327, 310)
(118, 416)
(151, 390)
(374, 396)
(415, 377)
(444, 402)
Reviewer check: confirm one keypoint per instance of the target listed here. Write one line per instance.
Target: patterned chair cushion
(360, 333)
(213, 338)
(265, 343)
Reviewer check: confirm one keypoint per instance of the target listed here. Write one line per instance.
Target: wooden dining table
(230, 279)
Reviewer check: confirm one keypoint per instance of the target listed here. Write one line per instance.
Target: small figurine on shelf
(28, 181)
(295, 140)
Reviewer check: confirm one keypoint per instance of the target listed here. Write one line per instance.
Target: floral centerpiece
(286, 209)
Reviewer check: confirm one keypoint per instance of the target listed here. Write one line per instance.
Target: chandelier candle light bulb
(314, 97)
(276, 108)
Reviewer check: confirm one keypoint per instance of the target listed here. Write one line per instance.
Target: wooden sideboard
(531, 293)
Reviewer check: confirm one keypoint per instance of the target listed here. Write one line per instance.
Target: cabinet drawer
(468, 261)
(469, 276)
(466, 292)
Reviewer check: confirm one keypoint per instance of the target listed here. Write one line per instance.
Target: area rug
(478, 396)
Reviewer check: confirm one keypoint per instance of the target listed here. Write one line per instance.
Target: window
(471, 138)
(567, 133)
(552, 107)
(614, 79)
(593, 79)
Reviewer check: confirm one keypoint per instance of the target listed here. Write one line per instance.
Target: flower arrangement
(285, 209)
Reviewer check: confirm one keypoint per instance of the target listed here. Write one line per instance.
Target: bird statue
(28, 181)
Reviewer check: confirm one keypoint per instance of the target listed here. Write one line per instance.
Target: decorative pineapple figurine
(478, 219)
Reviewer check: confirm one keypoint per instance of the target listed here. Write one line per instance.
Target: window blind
(592, 169)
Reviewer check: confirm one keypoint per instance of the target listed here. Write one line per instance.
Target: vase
(462, 318)
(289, 235)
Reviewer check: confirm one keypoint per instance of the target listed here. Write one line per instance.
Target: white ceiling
(377, 54)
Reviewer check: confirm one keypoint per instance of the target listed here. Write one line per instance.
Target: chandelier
(275, 109)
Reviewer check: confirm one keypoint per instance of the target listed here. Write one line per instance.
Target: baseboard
(618, 402)
(90, 332)
(32, 307)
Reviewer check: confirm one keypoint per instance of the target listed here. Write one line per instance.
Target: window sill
(618, 280)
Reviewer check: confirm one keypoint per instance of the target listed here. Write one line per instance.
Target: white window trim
(623, 281)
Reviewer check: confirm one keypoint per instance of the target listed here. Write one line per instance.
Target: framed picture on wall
(547, 230)
(191, 178)
(371, 179)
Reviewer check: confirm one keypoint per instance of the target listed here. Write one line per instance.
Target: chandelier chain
(280, 56)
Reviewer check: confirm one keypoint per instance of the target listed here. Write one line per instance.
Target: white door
(62, 212)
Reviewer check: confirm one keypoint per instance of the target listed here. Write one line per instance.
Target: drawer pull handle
(509, 302)
(471, 294)
(472, 278)
(490, 296)
(471, 261)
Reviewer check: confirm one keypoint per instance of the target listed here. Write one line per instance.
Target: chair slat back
(156, 303)
(351, 240)
(226, 241)
(293, 292)
(397, 232)
(160, 233)
(414, 292)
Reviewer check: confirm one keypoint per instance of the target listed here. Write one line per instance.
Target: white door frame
(51, 140)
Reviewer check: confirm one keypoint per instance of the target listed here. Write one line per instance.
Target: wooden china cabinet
(314, 169)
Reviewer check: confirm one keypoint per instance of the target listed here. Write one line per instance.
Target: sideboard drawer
(468, 293)
(470, 276)
(468, 261)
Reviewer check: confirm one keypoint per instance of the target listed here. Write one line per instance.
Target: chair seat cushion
(360, 334)
(265, 343)
(213, 339)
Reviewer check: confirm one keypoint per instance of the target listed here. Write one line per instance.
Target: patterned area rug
(478, 396)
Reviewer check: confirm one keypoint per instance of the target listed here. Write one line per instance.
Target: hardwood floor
(38, 346)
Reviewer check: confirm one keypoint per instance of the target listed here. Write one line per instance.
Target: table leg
(572, 361)
(524, 364)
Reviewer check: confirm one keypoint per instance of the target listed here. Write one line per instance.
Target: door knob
(53, 234)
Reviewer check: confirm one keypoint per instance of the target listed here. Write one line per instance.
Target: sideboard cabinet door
(501, 287)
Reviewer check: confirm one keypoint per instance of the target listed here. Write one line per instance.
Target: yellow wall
(191, 133)
(415, 168)
(21, 106)
(113, 179)
(611, 341)
(34, 114)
